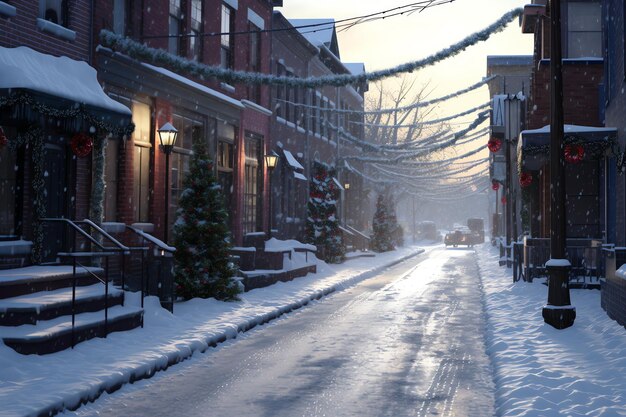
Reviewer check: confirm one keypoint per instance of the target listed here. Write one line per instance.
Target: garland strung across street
(427, 122)
(155, 56)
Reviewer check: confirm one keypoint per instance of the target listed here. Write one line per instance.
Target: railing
(584, 255)
(361, 240)
(105, 281)
(161, 251)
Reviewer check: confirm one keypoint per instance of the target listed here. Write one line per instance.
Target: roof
(320, 32)
(356, 68)
(25, 68)
(509, 60)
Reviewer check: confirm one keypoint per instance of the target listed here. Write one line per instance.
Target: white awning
(299, 176)
(25, 68)
(292, 161)
(338, 183)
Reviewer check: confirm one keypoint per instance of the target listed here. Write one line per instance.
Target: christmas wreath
(495, 185)
(503, 199)
(525, 179)
(574, 153)
(81, 145)
(494, 144)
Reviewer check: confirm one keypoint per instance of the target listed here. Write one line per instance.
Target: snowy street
(407, 342)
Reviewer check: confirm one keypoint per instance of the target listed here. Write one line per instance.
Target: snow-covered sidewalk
(541, 371)
(32, 385)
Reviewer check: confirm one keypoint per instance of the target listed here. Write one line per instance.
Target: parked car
(462, 237)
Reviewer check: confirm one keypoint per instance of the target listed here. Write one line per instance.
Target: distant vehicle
(461, 236)
(428, 230)
(478, 226)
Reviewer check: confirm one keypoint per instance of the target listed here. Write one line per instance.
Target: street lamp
(167, 137)
(271, 159)
(346, 187)
(558, 313)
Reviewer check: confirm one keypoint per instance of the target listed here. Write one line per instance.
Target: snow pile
(32, 385)
(541, 371)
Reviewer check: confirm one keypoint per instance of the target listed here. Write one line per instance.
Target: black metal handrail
(105, 281)
(162, 247)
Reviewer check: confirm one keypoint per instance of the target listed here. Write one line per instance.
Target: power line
(343, 22)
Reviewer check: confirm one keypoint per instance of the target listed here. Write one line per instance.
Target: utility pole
(559, 312)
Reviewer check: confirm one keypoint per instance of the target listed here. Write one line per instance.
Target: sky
(389, 42)
(401, 39)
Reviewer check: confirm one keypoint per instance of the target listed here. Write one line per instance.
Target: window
(254, 62)
(142, 118)
(7, 191)
(226, 159)
(110, 180)
(280, 92)
(252, 184)
(119, 17)
(195, 41)
(54, 11)
(227, 39)
(189, 130)
(175, 27)
(584, 27)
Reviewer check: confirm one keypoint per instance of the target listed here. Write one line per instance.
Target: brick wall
(581, 81)
(21, 30)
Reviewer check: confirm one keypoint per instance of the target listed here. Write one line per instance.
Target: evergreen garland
(178, 64)
(96, 209)
(202, 267)
(384, 227)
(322, 228)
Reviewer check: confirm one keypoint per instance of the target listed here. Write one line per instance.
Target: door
(56, 199)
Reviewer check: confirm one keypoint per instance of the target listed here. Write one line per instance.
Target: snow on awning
(533, 146)
(336, 181)
(292, 161)
(299, 176)
(76, 81)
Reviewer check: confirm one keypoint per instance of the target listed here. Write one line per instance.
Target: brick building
(232, 119)
(51, 104)
(305, 129)
(587, 173)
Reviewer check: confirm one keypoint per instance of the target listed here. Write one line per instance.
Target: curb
(161, 364)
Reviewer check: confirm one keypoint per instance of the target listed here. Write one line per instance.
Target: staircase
(45, 309)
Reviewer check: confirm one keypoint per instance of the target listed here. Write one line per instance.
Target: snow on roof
(356, 68)
(25, 68)
(317, 35)
(197, 86)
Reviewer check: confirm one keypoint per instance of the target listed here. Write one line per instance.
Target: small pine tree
(382, 239)
(201, 235)
(322, 222)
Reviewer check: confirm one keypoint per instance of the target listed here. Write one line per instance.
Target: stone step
(55, 335)
(46, 305)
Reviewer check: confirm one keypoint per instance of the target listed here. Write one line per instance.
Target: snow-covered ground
(31, 384)
(541, 371)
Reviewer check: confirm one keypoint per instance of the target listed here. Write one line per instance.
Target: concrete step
(32, 279)
(46, 305)
(54, 335)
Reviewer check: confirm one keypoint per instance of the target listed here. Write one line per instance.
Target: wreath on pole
(3, 138)
(495, 185)
(81, 144)
(525, 179)
(494, 144)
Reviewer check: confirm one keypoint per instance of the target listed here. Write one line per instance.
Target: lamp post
(167, 137)
(558, 312)
(346, 187)
(271, 159)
